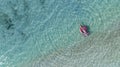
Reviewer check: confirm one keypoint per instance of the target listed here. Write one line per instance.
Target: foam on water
(45, 33)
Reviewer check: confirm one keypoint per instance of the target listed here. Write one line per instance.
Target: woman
(84, 30)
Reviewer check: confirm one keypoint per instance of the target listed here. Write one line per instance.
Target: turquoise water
(45, 33)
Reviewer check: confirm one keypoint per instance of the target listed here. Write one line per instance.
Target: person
(83, 30)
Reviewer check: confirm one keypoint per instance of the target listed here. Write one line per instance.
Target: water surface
(45, 33)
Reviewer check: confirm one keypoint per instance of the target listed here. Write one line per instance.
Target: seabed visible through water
(45, 33)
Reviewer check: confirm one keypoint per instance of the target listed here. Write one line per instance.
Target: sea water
(45, 33)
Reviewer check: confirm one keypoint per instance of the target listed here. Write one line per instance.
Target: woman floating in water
(84, 30)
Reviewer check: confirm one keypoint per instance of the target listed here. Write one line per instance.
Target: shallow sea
(45, 33)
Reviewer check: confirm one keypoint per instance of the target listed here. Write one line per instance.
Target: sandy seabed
(98, 50)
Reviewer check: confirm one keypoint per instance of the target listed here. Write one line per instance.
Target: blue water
(31, 30)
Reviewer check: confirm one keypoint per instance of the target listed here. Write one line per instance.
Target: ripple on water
(49, 26)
